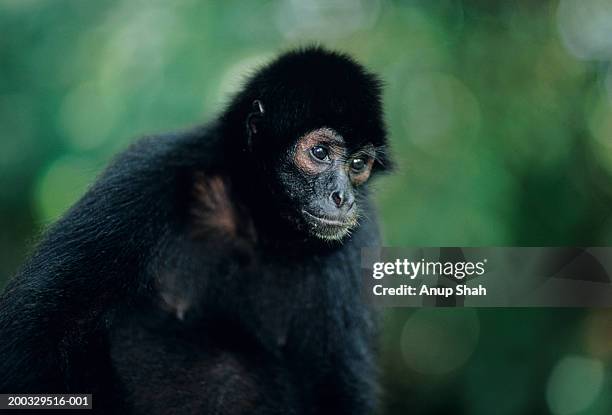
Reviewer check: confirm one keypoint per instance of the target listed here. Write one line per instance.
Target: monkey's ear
(252, 119)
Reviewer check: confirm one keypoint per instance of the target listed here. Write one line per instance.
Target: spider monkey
(217, 270)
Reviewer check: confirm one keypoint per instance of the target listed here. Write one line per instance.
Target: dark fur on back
(173, 287)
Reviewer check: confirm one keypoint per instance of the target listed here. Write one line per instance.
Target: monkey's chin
(328, 229)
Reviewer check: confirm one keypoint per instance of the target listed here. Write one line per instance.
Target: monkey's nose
(337, 198)
(341, 199)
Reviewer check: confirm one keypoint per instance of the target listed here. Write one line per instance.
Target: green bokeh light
(60, 185)
(574, 385)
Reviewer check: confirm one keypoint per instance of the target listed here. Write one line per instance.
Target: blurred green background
(500, 114)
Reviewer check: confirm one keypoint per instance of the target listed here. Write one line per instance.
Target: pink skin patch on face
(322, 136)
(364, 175)
(367, 154)
(327, 137)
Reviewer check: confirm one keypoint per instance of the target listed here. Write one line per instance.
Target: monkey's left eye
(358, 164)
(320, 153)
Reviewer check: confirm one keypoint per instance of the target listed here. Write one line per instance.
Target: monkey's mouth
(328, 228)
(326, 221)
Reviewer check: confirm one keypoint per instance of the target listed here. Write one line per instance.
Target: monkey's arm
(92, 259)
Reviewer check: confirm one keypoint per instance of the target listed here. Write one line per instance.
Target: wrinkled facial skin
(322, 178)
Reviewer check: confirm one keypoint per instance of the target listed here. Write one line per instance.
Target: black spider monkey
(217, 270)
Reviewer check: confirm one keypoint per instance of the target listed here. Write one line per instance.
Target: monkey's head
(315, 135)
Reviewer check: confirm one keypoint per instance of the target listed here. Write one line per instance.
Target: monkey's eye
(320, 153)
(357, 164)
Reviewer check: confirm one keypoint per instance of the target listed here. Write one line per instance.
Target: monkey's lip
(326, 221)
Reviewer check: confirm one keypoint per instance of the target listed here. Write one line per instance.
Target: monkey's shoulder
(216, 211)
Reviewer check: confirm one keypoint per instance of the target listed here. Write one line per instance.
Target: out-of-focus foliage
(500, 116)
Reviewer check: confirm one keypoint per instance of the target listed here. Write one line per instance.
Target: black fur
(175, 285)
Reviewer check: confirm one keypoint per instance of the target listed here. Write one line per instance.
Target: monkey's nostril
(337, 198)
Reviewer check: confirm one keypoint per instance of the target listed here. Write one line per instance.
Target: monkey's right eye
(320, 153)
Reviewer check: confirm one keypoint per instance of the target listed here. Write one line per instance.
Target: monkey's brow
(368, 150)
(330, 135)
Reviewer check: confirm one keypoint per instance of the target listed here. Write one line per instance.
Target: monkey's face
(315, 134)
(322, 178)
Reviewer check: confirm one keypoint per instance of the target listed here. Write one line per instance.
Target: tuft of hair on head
(325, 67)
